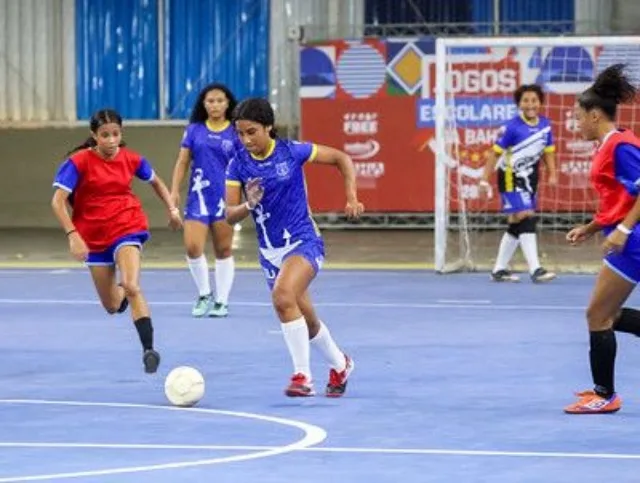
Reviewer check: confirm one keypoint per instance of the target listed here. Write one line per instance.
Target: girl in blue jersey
(269, 171)
(207, 145)
(523, 142)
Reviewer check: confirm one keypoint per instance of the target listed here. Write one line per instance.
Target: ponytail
(90, 142)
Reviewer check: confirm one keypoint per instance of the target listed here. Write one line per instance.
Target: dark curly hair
(199, 113)
(517, 95)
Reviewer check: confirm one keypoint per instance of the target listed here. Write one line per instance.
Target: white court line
(312, 435)
(373, 305)
(324, 449)
(463, 301)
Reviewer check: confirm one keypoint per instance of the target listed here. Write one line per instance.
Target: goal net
(469, 84)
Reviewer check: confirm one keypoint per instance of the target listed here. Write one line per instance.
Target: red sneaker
(337, 384)
(300, 386)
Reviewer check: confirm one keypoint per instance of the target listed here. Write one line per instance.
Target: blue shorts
(108, 256)
(626, 263)
(208, 210)
(516, 201)
(312, 251)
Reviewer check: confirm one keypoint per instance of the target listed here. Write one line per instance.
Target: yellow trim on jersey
(217, 126)
(497, 149)
(508, 173)
(232, 182)
(270, 150)
(314, 153)
(530, 123)
(550, 149)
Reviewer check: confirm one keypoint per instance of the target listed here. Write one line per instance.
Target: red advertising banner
(375, 100)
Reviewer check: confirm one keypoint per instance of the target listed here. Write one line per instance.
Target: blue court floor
(457, 380)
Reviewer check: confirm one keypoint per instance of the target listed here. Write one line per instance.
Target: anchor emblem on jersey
(200, 184)
(274, 255)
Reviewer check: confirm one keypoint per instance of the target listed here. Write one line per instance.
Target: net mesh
(480, 82)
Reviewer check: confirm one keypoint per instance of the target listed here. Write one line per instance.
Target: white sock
(325, 343)
(296, 335)
(508, 246)
(529, 243)
(200, 273)
(225, 271)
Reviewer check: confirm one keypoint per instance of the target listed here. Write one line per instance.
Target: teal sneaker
(201, 306)
(219, 310)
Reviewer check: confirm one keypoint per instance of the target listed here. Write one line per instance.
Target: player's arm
(179, 170)
(145, 173)
(627, 170)
(235, 210)
(59, 205)
(341, 160)
(504, 142)
(549, 159)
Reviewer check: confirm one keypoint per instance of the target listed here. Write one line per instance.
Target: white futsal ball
(184, 386)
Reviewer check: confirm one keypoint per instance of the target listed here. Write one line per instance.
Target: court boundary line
(313, 435)
(363, 304)
(331, 449)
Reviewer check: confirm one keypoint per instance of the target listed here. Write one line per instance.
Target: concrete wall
(29, 158)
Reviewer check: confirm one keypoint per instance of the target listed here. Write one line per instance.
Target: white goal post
(472, 98)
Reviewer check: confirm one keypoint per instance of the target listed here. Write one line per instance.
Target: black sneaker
(541, 275)
(504, 276)
(151, 360)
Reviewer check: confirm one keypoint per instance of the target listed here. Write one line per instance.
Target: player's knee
(284, 299)
(194, 250)
(110, 307)
(528, 225)
(131, 289)
(595, 320)
(222, 251)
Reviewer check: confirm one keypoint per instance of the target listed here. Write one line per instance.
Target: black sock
(628, 322)
(603, 359)
(145, 331)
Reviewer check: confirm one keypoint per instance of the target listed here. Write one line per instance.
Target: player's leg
(320, 337)
(222, 236)
(527, 223)
(293, 279)
(112, 296)
(508, 244)
(610, 292)
(127, 258)
(195, 238)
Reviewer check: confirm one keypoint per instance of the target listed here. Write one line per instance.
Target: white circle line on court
(347, 450)
(313, 435)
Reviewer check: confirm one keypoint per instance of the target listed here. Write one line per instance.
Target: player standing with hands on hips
(269, 171)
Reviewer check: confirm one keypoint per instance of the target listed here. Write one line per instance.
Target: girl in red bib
(108, 226)
(615, 177)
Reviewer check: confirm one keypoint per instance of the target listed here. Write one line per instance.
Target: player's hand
(485, 189)
(578, 234)
(353, 209)
(175, 198)
(77, 247)
(615, 242)
(254, 192)
(175, 221)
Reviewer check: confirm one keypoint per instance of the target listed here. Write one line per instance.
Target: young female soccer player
(615, 177)
(270, 172)
(523, 142)
(108, 226)
(207, 145)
